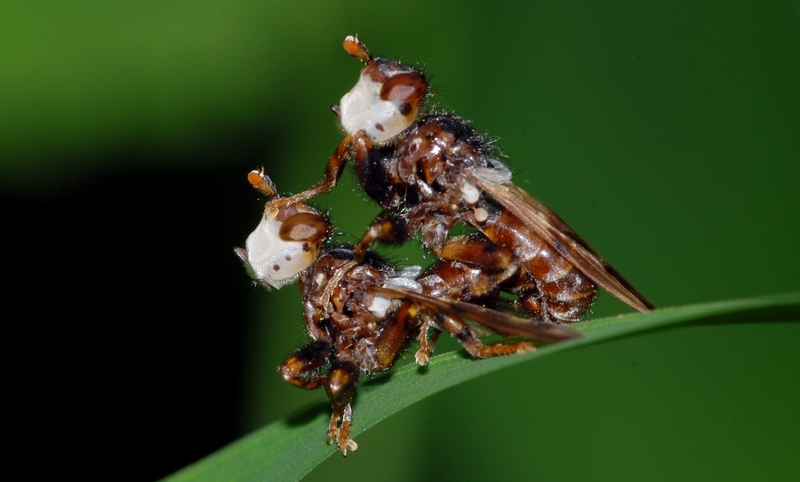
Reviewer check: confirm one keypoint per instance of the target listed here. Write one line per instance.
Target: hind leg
(473, 344)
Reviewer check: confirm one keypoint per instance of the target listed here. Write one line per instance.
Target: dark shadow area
(131, 310)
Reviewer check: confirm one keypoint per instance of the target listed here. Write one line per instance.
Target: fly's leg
(392, 227)
(426, 344)
(473, 345)
(355, 146)
(400, 329)
(388, 228)
(302, 368)
(340, 387)
(497, 263)
(333, 283)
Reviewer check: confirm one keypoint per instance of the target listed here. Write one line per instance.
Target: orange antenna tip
(351, 45)
(255, 178)
(356, 48)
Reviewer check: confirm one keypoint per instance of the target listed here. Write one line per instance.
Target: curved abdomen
(548, 286)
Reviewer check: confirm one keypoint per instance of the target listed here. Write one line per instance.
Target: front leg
(340, 388)
(302, 368)
(388, 227)
(354, 145)
(393, 227)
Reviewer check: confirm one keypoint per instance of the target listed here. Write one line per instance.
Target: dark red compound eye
(409, 87)
(305, 227)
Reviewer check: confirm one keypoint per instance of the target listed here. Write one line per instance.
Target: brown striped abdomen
(563, 293)
(549, 287)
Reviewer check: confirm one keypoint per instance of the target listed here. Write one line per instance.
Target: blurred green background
(667, 135)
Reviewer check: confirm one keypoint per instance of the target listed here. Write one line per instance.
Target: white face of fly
(272, 260)
(363, 108)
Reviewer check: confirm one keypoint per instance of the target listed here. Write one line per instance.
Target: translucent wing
(549, 226)
(498, 321)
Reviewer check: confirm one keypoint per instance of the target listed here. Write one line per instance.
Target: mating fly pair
(428, 172)
(362, 313)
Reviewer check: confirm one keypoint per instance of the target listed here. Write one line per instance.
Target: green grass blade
(290, 448)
